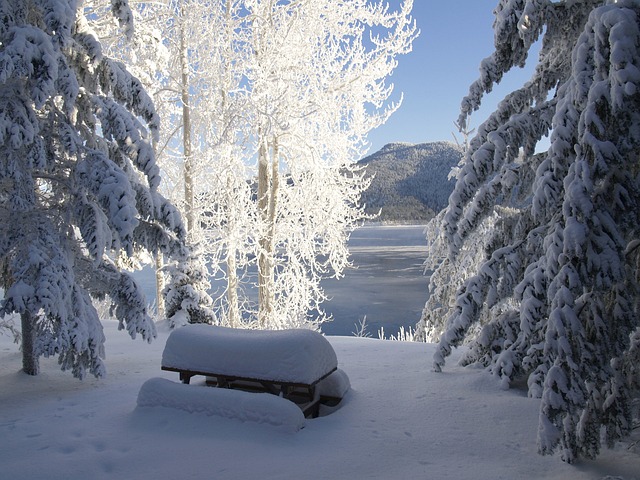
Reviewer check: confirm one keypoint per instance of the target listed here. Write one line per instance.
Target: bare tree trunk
(264, 287)
(186, 129)
(232, 288)
(232, 220)
(30, 363)
(268, 183)
(232, 268)
(159, 285)
(159, 263)
(273, 202)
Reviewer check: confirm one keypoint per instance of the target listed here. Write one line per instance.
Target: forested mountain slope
(410, 181)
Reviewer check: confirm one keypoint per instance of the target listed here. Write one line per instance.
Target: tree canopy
(266, 107)
(550, 239)
(79, 183)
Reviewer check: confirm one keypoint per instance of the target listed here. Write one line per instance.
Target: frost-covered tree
(160, 54)
(318, 86)
(230, 224)
(79, 183)
(195, 74)
(275, 100)
(224, 195)
(554, 291)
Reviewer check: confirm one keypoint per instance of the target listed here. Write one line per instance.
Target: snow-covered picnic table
(289, 363)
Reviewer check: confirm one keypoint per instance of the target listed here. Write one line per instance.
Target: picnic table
(287, 363)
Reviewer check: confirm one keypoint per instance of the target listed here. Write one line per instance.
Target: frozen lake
(386, 284)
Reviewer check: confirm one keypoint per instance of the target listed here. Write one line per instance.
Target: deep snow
(260, 408)
(293, 356)
(399, 420)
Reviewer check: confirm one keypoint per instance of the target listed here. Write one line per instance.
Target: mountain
(409, 181)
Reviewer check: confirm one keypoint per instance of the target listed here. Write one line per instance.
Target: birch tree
(227, 194)
(555, 294)
(161, 53)
(79, 183)
(283, 93)
(318, 86)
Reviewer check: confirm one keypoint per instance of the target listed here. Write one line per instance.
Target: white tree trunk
(264, 287)
(233, 314)
(160, 284)
(186, 129)
(268, 183)
(232, 288)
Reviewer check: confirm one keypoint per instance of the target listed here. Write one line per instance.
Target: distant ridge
(410, 181)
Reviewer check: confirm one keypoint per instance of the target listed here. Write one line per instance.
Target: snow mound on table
(293, 356)
(335, 385)
(261, 408)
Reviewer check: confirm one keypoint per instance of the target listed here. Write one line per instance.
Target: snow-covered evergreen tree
(555, 292)
(79, 183)
(154, 55)
(186, 297)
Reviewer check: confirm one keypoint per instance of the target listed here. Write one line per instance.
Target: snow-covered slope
(410, 181)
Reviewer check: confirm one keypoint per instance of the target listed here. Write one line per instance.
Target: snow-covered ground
(399, 420)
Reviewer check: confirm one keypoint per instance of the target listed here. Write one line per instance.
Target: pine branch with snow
(79, 183)
(560, 269)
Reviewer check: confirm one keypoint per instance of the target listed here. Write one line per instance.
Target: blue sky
(455, 36)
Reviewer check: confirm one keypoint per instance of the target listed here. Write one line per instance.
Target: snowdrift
(261, 408)
(298, 369)
(294, 356)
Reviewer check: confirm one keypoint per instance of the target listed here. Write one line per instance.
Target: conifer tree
(79, 183)
(554, 296)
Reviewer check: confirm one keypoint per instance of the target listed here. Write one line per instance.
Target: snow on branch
(79, 183)
(561, 279)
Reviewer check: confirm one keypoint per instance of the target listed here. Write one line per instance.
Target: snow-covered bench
(288, 363)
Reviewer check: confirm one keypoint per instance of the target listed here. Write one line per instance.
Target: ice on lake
(386, 285)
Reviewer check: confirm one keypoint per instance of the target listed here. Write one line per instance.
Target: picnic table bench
(287, 363)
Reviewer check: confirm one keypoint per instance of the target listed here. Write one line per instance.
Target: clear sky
(455, 36)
